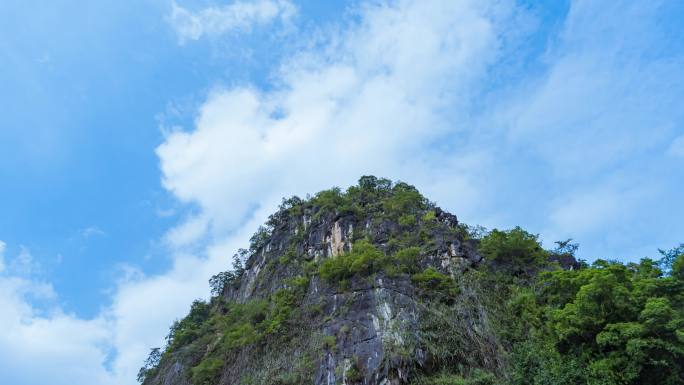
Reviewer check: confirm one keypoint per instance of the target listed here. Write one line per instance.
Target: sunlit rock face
(358, 310)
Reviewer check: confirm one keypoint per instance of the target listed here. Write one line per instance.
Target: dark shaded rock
(565, 260)
(363, 331)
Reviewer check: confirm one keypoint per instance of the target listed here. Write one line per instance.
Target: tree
(220, 281)
(239, 260)
(566, 247)
(151, 364)
(678, 268)
(623, 323)
(669, 256)
(515, 251)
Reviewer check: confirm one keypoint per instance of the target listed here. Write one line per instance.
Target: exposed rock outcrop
(370, 327)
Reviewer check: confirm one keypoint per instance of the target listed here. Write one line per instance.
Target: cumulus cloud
(63, 344)
(239, 16)
(109, 348)
(414, 90)
(70, 350)
(429, 92)
(371, 100)
(399, 67)
(410, 92)
(189, 232)
(145, 306)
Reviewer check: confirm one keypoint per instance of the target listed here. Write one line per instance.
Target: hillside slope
(373, 285)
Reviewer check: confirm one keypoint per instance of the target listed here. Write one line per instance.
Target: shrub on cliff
(515, 251)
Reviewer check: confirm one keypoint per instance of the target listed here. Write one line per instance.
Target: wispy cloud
(3, 246)
(239, 16)
(676, 149)
(24, 263)
(595, 125)
(423, 91)
(372, 99)
(92, 231)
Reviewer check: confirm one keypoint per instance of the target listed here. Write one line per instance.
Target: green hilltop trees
(548, 319)
(605, 324)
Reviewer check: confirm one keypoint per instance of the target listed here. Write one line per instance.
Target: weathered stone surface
(373, 319)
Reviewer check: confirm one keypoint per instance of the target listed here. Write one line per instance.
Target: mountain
(378, 285)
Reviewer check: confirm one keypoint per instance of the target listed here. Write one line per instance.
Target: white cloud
(23, 264)
(242, 158)
(92, 231)
(402, 92)
(410, 92)
(189, 232)
(109, 348)
(55, 341)
(588, 211)
(370, 101)
(677, 147)
(70, 350)
(406, 93)
(591, 123)
(596, 107)
(2, 256)
(239, 16)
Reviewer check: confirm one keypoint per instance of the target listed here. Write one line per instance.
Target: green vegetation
(405, 200)
(435, 283)
(429, 217)
(222, 280)
(525, 315)
(363, 259)
(516, 251)
(189, 328)
(329, 342)
(408, 259)
(151, 366)
(207, 372)
(399, 202)
(478, 377)
(289, 256)
(219, 328)
(331, 201)
(670, 258)
(608, 323)
(407, 220)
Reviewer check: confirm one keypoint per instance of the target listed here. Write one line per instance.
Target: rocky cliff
(372, 285)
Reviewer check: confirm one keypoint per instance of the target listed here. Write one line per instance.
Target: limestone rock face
(368, 328)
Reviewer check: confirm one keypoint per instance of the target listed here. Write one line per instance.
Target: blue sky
(85, 92)
(142, 142)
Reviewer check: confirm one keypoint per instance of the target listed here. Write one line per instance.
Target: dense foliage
(608, 323)
(525, 315)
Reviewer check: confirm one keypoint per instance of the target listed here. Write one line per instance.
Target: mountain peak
(376, 285)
